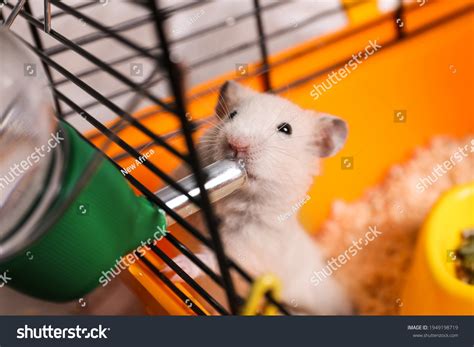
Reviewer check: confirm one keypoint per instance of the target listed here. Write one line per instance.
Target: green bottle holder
(106, 221)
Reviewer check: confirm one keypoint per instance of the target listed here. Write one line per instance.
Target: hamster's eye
(232, 114)
(285, 128)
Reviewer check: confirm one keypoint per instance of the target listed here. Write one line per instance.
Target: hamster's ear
(230, 95)
(331, 135)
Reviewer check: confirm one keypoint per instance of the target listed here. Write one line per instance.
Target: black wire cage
(165, 71)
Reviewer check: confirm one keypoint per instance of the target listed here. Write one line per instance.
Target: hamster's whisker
(213, 121)
(214, 124)
(208, 156)
(208, 147)
(282, 151)
(219, 118)
(221, 102)
(209, 141)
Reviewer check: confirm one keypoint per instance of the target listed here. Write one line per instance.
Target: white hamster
(280, 144)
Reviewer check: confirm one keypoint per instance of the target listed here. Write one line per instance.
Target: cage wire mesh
(61, 78)
(152, 74)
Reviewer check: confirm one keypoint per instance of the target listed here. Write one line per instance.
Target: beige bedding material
(375, 276)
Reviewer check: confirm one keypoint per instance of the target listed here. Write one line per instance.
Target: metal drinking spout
(223, 178)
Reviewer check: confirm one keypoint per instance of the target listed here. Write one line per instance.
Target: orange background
(430, 75)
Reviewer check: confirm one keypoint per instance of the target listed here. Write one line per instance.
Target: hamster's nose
(238, 148)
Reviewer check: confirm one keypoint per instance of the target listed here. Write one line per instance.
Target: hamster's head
(279, 142)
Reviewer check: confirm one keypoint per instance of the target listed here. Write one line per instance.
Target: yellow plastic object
(362, 12)
(265, 284)
(432, 286)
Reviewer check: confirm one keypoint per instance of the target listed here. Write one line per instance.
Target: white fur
(281, 169)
